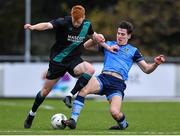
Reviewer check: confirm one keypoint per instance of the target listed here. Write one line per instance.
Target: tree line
(156, 23)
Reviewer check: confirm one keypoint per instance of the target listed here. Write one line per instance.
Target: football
(56, 121)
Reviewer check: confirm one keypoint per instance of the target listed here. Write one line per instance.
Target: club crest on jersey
(126, 49)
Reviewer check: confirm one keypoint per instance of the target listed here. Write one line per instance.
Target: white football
(56, 121)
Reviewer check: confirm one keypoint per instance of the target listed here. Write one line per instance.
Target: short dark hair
(126, 25)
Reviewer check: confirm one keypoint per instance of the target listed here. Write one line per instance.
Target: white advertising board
(25, 80)
(160, 83)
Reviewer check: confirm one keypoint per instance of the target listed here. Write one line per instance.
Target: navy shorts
(111, 86)
(58, 70)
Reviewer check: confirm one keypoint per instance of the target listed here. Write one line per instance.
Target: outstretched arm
(112, 49)
(91, 45)
(39, 26)
(150, 67)
(98, 39)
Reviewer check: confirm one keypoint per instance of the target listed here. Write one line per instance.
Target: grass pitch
(153, 118)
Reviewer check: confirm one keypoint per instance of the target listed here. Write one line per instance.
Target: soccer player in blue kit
(111, 82)
(65, 56)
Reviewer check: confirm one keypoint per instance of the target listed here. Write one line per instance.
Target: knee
(115, 113)
(89, 68)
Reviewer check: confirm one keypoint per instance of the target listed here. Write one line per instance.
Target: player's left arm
(98, 39)
(94, 42)
(150, 67)
(91, 45)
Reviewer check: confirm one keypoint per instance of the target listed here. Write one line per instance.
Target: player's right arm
(91, 45)
(39, 26)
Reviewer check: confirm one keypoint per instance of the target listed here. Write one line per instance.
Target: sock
(81, 82)
(32, 113)
(70, 94)
(38, 100)
(77, 107)
(122, 122)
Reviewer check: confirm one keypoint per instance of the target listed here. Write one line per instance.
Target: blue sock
(122, 122)
(77, 107)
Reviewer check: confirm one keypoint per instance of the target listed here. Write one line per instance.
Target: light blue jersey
(122, 61)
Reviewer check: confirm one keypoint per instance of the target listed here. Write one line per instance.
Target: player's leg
(92, 87)
(115, 110)
(85, 71)
(114, 91)
(53, 74)
(41, 95)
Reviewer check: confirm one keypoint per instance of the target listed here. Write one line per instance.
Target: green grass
(153, 118)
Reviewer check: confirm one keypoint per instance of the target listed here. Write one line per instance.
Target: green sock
(82, 82)
(38, 101)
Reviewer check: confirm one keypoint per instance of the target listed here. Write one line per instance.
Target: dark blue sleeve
(137, 56)
(100, 49)
(90, 31)
(57, 23)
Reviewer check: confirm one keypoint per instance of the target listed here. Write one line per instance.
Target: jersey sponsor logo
(72, 38)
(59, 57)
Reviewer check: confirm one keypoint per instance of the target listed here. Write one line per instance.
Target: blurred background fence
(156, 24)
(156, 31)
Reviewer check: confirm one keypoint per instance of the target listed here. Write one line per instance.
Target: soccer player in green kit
(65, 55)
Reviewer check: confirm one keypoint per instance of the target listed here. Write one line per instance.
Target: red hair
(77, 12)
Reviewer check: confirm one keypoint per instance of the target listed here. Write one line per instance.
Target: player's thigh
(49, 83)
(55, 71)
(84, 67)
(72, 66)
(93, 87)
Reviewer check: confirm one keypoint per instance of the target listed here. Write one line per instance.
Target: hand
(114, 48)
(159, 59)
(28, 26)
(100, 38)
